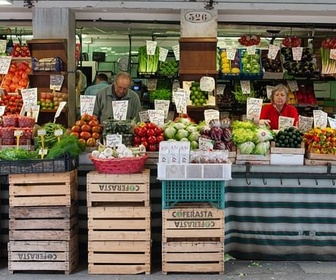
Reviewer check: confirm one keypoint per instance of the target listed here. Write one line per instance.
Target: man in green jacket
(120, 90)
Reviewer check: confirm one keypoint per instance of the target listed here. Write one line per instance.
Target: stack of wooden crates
(119, 223)
(193, 226)
(43, 222)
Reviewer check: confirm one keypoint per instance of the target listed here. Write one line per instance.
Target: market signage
(198, 16)
(199, 23)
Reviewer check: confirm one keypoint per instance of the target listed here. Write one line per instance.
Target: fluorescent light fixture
(6, 2)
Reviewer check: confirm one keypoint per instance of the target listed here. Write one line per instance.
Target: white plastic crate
(194, 171)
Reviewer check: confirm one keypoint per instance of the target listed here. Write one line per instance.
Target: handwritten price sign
(113, 140)
(305, 123)
(251, 49)
(211, 115)
(285, 122)
(332, 123)
(144, 116)
(151, 47)
(231, 53)
(5, 62)
(320, 118)
(3, 45)
(272, 51)
(246, 87)
(29, 96)
(180, 99)
(297, 53)
(156, 116)
(253, 108)
(207, 83)
(176, 51)
(59, 110)
(87, 103)
(56, 82)
(120, 109)
(162, 105)
(163, 54)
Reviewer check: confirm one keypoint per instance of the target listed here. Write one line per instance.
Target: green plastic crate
(174, 192)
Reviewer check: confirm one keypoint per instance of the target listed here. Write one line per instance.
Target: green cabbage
(262, 148)
(242, 135)
(246, 148)
(181, 133)
(193, 136)
(180, 125)
(193, 145)
(170, 132)
(262, 134)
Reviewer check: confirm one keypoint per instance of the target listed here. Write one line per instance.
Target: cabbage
(179, 126)
(242, 135)
(192, 128)
(193, 145)
(184, 140)
(181, 133)
(193, 136)
(262, 148)
(262, 134)
(170, 132)
(246, 148)
(184, 121)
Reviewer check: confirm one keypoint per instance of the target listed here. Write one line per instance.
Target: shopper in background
(100, 83)
(119, 90)
(279, 106)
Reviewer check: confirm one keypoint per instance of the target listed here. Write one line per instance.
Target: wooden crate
(119, 223)
(294, 151)
(119, 257)
(193, 257)
(43, 255)
(319, 162)
(47, 189)
(200, 222)
(317, 156)
(110, 189)
(43, 223)
(252, 159)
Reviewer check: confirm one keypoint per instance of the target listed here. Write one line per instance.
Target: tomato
(145, 144)
(159, 138)
(136, 130)
(95, 135)
(75, 134)
(82, 141)
(137, 140)
(86, 127)
(150, 125)
(93, 123)
(144, 139)
(86, 117)
(97, 129)
(150, 132)
(142, 131)
(153, 148)
(85, 135)
(152, 140)
(91, 142)
(75, 128)
(80, 123)
(158, 130)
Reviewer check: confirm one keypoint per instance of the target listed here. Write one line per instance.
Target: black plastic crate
(65, 164)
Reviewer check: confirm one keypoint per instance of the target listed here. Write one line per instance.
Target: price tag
(207, 83)
(269, 91)
(59, 109)
(246, 87)
(253, 108)
(320, 118)
(272, 51)
(205, 144)
(56, 82)
(297, 53)
(293, 85)
(211, 114)
(113, 140)
(332, 54)
(87, 103)
(162, 105)
(163, 54)
(5, 62)
(43, 152)
(305, 123)
(32, 111)
(3, 45)
(151, 47)
(285, 122)
(180, 100)
(2, 110)
(332, 122)
(251, 49)
(144, 116)
(58, 132)
(120, 109)
(220, 89)
(41, 132)
(156, 116)
(29, 96)
(151, 84)
(231, 53)
(18, 133)
(176, 50)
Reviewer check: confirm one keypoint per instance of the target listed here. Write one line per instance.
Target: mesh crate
(174, 192)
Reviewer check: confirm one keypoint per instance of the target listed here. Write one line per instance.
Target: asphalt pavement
(234, 269)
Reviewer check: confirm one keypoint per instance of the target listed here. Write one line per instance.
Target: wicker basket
(120, 165)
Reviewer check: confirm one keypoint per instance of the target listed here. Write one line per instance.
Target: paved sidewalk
(234, 269)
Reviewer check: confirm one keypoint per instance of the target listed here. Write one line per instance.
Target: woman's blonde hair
(279, 87)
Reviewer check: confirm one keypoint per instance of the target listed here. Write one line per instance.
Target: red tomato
(137, 140)
(86, 127)
(75, 128)
(95, 135)
(144, 139)
(136, 130)
(158, 130)
(142, 132)
(97, 129)
(145, 144)
(150, 125)
(159, 138)
(93, 123)
(75, 134)
(150, 132)
(152, 140)
(91, 142)
(152, 148)
(85, 135)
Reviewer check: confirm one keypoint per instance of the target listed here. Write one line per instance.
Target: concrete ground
(234, 269)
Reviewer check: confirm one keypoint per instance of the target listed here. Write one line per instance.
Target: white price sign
(231, 53)
(59, 110)
(2, 110)
(251, 49)
(272, 52)
(293, 85)
(41, 132)
(163, 54)
(246, 87)
(113, 140)
(253, 108)
(162, 105)
(205, 144)
(211, 114)
(320, 118)
(297, 53)
(151, 47)
(18, 133)
(207, 83)
(285, 122)
(269, 91)
(5, 62)
(144, 116)
(220, 89)
(180, 99)
(156, 116)
(87, 103)
(332, 54)
(29, 97)
(120, 109)
(3, 45)
(332, 123)
(32, 111)
(176, 50)
(56, 82)
(305, 123)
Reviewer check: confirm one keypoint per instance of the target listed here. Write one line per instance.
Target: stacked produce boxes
(119, 231)
(43, 222)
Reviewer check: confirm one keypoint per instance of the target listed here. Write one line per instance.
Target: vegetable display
(168, 68)
(229, 67)
(290, 137)
(328, 64)
(291, 41)
(197, 96)
(148, 64)
(50, 139)
(148, 135)
(320, 141)
(250, 62)
(160, 94)
(249, 40)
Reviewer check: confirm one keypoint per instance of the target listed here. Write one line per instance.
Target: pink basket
(120, 165)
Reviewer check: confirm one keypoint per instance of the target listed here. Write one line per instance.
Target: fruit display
(291, 41)
(240, 97)
(149, 135)
(17, 76)
(13, 103)
(320, 141)
(20, 51)
(51, 100)
(87, 129)
(272, 67)
(228, 66)
(289, 137)
(249, 40)
(197, 96)
(250, 64)
(168, 68)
